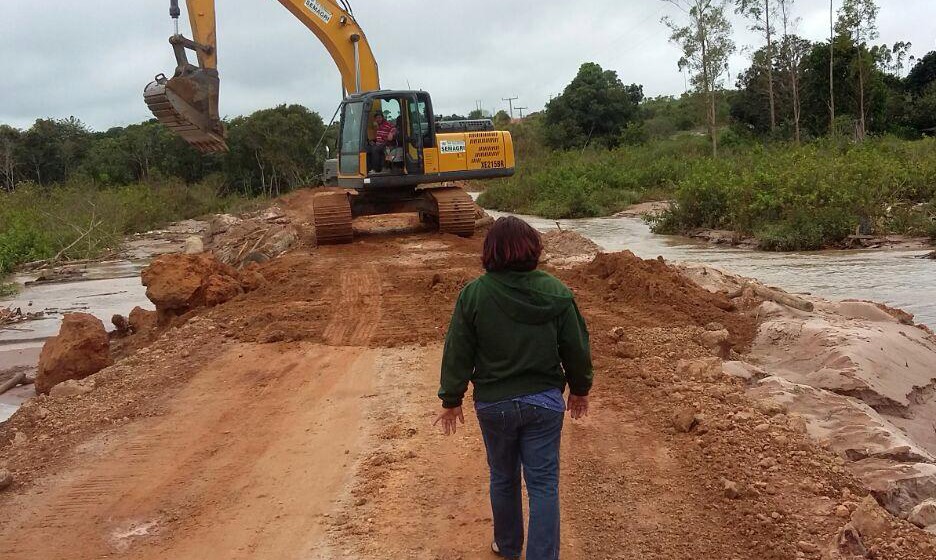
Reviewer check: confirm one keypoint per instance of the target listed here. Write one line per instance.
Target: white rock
(924, 514)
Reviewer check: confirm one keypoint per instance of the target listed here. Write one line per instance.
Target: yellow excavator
(410, 170)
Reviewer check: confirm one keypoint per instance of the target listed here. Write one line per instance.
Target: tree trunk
(770, 80)
(709, 87)
(831, 68)
(797, 110)
(862, 125)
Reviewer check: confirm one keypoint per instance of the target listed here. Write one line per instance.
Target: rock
(717, 342)
(847, 544)
(80, 349)
(743, 370)
(706, 369)
(618, 332)
(870, 519)
(807, 547)
(685, 419)
(70, 388)
(899, 487)
(221, 223)
(280, 242)
(193, 245)
(6, 479)
(731, 489)
(767, 462)
(177, 283)
(220, 288)
(844, 425)
(121, 324)
(762, 428)
(251, 280)
(19, 438)
(924, 514)
(142, 320)
(842, 512)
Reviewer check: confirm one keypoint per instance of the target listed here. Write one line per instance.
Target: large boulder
(179, 283)
(141, 320)
(80, 349)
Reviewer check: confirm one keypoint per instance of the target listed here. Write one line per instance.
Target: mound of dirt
(178, 284)
(654, 292)
(566, 244)
(80, 349)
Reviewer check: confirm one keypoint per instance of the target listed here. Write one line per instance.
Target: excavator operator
(384, 133)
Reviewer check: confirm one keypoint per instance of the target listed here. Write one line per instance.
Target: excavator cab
(427, 151)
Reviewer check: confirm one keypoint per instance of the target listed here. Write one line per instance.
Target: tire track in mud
(357, 309)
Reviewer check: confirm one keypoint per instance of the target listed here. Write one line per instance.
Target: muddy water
(102, 289)
(894, 277)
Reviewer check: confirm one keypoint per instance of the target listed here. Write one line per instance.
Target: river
(895, 277)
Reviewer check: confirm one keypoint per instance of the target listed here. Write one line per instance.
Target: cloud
(92, 59)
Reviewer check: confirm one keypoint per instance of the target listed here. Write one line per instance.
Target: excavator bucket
(187, 104)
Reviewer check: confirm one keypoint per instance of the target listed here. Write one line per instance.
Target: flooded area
(894, 277)
(102, 289)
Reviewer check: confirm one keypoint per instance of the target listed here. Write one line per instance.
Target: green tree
(10, 139)
(857, 19)
(595, 107)
(761, 13)
(501, 119)
(706, 44)
(274, 150)
(922, 74)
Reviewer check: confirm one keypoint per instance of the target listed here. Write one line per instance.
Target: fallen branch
(12, 382)
(781, 297)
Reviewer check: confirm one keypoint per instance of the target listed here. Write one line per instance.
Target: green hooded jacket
(513, 334)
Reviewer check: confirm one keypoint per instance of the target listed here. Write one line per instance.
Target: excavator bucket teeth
(183, 104)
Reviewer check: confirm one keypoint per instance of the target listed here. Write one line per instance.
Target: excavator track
(158, 99)
(456, 211)
(332, 218)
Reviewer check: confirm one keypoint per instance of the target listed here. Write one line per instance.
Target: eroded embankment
(677, 460)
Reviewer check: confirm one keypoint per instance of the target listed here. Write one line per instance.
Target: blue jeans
(518, 435)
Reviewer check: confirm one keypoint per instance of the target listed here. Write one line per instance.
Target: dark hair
(511, 244)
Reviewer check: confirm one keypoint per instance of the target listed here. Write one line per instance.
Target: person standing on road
(518, 337)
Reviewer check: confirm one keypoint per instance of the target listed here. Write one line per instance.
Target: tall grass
(789, 197)
(812, 196)
(78, 220)
(594, 182)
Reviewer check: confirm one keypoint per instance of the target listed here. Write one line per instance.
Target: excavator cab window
(352, 120)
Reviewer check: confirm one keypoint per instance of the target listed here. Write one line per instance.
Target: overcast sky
(92, 59)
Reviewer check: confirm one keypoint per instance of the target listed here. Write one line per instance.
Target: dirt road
(294, 422)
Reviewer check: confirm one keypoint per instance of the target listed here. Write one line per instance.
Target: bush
(83, 221)
(808, 197)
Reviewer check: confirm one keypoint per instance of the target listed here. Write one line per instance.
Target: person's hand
(448, 417)
(578, 406)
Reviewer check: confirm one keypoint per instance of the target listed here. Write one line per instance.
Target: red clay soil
(294, 421)
(651, 292)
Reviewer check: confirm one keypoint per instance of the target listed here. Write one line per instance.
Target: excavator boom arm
(187, 103)
(330, 22)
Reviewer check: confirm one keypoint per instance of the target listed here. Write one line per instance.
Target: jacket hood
(531, 298)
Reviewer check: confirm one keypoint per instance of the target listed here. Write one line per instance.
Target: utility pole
(521, 109)
(478, 105)
(831, 68)
(510, 100)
